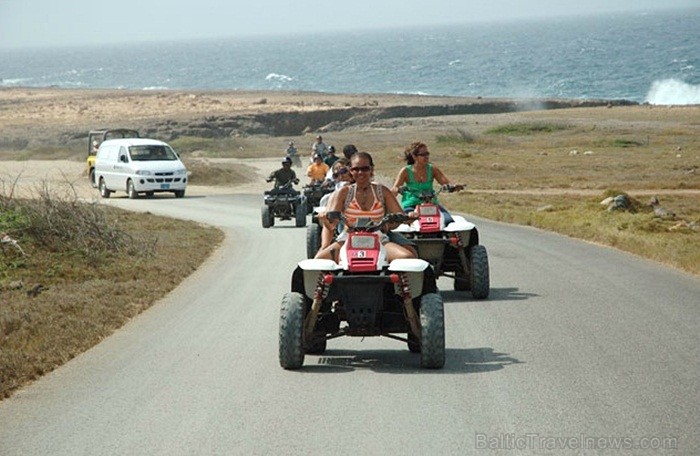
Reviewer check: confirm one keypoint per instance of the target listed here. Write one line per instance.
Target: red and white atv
(362, 295)
(453, 249)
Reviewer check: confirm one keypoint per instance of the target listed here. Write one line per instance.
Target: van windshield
(151, 152)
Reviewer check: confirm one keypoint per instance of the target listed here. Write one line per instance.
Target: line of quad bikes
(363, 294)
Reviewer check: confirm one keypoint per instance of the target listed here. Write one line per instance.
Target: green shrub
(525, 129)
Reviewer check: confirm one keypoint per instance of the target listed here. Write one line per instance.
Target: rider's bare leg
(329, 253)
(395, 251)
(326, 237)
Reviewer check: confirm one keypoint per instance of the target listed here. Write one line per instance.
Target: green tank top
(413, 188)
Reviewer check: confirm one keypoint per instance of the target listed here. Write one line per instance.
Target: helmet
(331, 149)
(287, 160)
(318, 156)
(291, 143)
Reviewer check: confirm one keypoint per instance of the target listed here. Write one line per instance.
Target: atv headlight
(428, 210)
(362, 242)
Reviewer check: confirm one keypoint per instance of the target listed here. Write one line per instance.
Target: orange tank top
(353, 211)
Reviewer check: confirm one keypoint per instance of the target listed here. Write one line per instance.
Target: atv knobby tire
(291, 344)
(479, 272)
(432, 328)
(300, 215)
(313, 239)
(267, 219)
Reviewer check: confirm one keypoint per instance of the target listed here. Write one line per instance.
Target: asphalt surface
(580, 349)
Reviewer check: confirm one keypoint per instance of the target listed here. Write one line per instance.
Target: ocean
(652, 58)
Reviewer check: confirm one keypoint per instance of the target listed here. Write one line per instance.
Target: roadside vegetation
(72, 272)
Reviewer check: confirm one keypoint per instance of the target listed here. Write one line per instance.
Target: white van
(139, 165)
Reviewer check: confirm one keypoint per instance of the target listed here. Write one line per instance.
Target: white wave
(454, 62)
(673, 92)
(278, 77)
(417, 92)
(14, 81)
(155, 88)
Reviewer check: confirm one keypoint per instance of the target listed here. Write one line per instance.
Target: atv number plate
(165, 186)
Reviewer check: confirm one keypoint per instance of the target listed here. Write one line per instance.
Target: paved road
(577, 342)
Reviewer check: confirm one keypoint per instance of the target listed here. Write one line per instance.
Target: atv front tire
(300, 215)
(313, 239)
(291, 345)
(479, 272)
(432, 328)
(267, 220)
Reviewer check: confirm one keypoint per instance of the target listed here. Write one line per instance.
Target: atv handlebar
(287, 184)
(365, 224)
(428, 195)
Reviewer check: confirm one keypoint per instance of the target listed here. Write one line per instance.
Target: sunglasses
(363, 169)
(423, 154)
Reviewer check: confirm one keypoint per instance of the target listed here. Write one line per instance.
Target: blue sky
(28, 23)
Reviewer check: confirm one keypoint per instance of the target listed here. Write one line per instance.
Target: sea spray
(673, 92)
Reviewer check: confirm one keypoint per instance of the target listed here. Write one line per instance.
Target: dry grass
(583, 217)
(60, 299)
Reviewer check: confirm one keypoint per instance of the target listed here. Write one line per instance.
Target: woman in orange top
(363, 199)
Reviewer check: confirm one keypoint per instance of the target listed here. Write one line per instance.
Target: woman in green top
(418, 176)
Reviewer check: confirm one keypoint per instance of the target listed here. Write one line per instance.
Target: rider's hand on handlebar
(449, 188)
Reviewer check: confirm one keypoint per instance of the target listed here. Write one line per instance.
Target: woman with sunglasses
(417, 177)
(363, 199)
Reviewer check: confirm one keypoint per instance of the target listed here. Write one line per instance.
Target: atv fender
(315, 264)
(408, 265)
(459, 224)
(414, 270)
(312, 268)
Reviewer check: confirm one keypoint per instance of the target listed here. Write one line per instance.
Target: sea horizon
(642, 58)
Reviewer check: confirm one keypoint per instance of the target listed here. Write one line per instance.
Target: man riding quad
(283, 201)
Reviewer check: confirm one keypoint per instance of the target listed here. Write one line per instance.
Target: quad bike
(314, 192)
(315, 201)
(284, 203)
(362, 295)
(453, 250)
(313, 231)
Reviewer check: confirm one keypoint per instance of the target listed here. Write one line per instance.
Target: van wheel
(150, 194)
(104, 193)
(130, 190)
(179, 193)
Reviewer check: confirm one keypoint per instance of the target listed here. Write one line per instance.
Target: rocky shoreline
(31, 118)
(293, 123)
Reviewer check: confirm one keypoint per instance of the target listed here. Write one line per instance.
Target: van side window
(123, 157)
